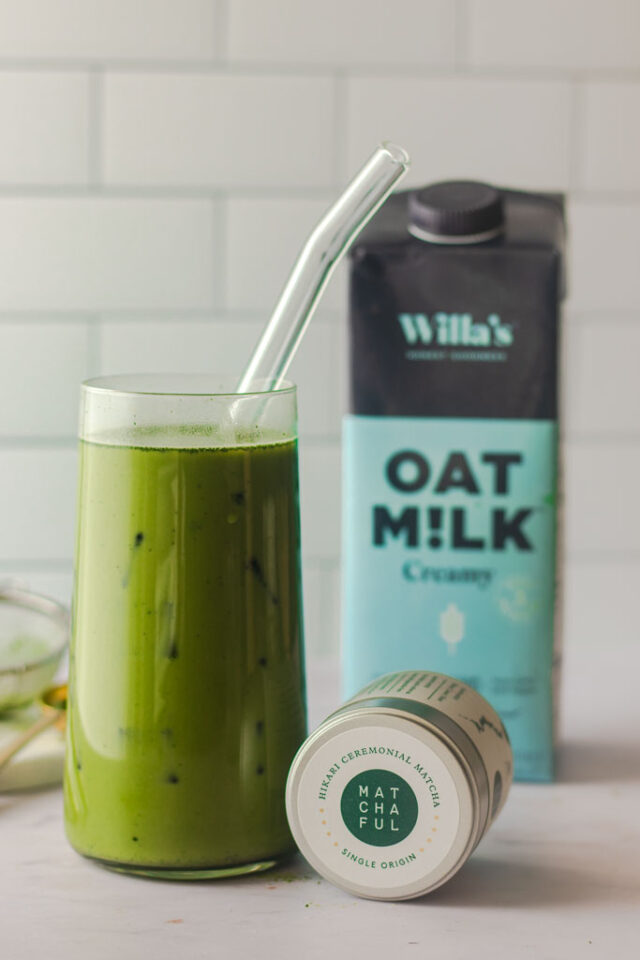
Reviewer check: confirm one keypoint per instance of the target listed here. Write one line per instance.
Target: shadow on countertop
(501, 883)
(583, 761)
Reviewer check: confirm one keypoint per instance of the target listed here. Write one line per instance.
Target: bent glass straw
(319, 257)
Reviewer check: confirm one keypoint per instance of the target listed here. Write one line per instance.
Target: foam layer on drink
(212, 436)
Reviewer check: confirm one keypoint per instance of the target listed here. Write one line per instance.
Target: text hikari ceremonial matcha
(392, 793)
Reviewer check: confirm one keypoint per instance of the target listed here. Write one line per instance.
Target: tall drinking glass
(186, 701)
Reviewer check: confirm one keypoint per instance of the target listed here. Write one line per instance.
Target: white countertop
(558, 876)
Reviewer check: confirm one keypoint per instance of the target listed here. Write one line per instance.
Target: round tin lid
(381, 805)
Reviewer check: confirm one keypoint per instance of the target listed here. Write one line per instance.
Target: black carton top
(449, 329)
(530, 220)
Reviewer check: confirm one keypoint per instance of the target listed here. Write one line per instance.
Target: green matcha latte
(186, 693)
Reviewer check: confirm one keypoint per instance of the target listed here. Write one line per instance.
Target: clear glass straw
(324, 248)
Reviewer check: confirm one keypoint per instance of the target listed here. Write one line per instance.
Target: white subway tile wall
(415, 32)
(44, 118)
(563, 35)
(107, 30)
(264, 236)
(612, 136)
(513, 133)
(41, 365)
(168, 129)
(162, 161)
(601, 397)
(37, 489)
(602, 483)
(605, 254)
(87, 253)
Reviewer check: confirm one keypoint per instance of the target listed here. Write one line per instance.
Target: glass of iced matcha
(186, 701)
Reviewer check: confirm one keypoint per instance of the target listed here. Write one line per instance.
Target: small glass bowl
(34, 633)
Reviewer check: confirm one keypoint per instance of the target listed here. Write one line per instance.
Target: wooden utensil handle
(46, 720)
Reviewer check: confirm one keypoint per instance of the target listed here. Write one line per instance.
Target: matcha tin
(392, 793)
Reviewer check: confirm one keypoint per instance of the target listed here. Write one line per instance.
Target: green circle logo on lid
(379, 808)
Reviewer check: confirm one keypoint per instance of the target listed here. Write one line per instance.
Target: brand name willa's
(455, 330)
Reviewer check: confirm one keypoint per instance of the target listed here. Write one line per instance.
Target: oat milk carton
(451, 481)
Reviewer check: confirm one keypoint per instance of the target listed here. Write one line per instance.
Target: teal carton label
(449, 562)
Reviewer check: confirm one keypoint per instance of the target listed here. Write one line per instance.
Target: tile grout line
(94, 345)
(219, 267)
(580, 438)
(618, 317)
(323, 564)
(96, 128)
(39, 316)
(221, 13)
(608, 557)
(37, 565)
(576, 135)
(571, 373)
(9, 444)
(206, 192)
(164, 191)
(160, 191)
(340, 129)
(606, 197)
(153, 315)
(400, 69)
(461, 36)
(330, 316)
(332, 319)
